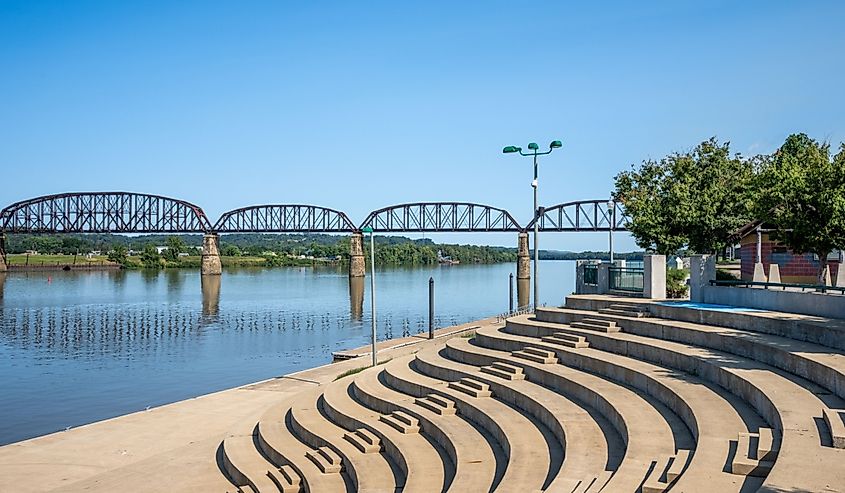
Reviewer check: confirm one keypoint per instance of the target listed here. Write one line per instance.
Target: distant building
(794, 268)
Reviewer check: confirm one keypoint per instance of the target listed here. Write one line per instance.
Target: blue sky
(357, 106)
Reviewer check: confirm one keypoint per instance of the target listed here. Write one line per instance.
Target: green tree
(118, 254)
(801, 193)
(230, 251)
(150, 257)
(175, 246)
(694, 199)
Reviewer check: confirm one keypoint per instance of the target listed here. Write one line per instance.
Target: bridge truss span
(583, 215)
(441, 217)
(103, 212)
(286, 218)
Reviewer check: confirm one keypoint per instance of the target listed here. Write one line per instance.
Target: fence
(591, 274)
(625, 279)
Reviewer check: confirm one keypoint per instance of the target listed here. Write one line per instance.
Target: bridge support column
(211, 265)
(357, 268)
(523, 258)
(523, 271)
(2, 252)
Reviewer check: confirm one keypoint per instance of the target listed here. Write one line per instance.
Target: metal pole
(536, 185)
(759, 245)
(373, 294)
(431, 308)
(510, 294)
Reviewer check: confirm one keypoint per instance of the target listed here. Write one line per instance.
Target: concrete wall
(702, 271)
(580, 286)
(805, 303)
(654, 277)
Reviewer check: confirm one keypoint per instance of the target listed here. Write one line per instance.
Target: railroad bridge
(126, 212)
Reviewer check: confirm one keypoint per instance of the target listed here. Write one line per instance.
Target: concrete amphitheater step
(279, 444)
(504, 370)
(567, 340)
(712, 414)
(537, 355)
(471, 387)
(528, 458)
(418, 459)
(401, 422)
(645, 431)
(248, 469)
(473, 463)
(666, 470)
(822, 365)
(368, 472)
(573, 426)
(755, 453)
(626, 310)
(833, 418)
(788, 402)
(597, 325)
(437, 403)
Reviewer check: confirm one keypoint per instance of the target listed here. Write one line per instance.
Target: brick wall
(793, 268)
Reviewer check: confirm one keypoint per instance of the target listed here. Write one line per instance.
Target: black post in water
(431, 308)
(510, 294)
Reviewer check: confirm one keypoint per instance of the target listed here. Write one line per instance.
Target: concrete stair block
(401, 421)
(625, 311)
(326, 460)
(834, 420)
(437, 404)
(666, 470)
(288, 480)
(536, 355)
(504, 370)
(364, 441)
(591, 325)
(746, 462)
(567, 340)
(471, 387)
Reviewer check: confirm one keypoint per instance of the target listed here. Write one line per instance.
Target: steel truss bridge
(125, 212)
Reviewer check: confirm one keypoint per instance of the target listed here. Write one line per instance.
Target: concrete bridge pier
(211, 265)
(357, 267)
(3, 252)
(523, 270)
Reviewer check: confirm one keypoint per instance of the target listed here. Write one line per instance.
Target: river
(79, 347)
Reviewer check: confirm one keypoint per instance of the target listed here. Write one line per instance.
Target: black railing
(626, 279)
(591, 274)
(782, 285)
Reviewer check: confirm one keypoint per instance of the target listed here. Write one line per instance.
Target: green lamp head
(510, 149)
(555, 144)
(533, 146)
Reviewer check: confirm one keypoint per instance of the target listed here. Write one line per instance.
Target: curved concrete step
(473, 462)
(525, 446)
(368, 472)
(283, 448)
(644, 429)
(419, 461)
(789, 403)
(822, 365)
(247, 468)
(714, 416)
(585, 445)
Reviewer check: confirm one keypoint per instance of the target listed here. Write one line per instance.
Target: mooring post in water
(431, 308)
(510, 293)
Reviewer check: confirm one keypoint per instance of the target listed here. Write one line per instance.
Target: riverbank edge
(181, 438)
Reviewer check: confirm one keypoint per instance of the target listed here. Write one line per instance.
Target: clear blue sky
(357, 106)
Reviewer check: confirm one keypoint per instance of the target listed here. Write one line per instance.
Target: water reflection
(210, 295)
(356, 298)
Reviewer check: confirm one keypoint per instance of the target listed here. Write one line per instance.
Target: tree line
(697, 199)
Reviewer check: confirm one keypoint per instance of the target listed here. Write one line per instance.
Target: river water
(78, 347)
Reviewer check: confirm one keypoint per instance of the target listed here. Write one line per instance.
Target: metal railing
(626, 279)
(784, 286)
(591, 274)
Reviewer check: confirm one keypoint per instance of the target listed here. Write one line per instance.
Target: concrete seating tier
(615, 398)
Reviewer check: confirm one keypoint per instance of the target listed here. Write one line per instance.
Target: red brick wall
(793, 268)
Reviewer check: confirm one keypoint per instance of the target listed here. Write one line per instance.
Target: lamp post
(533, 149)
(611, 219)
(373, 290)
